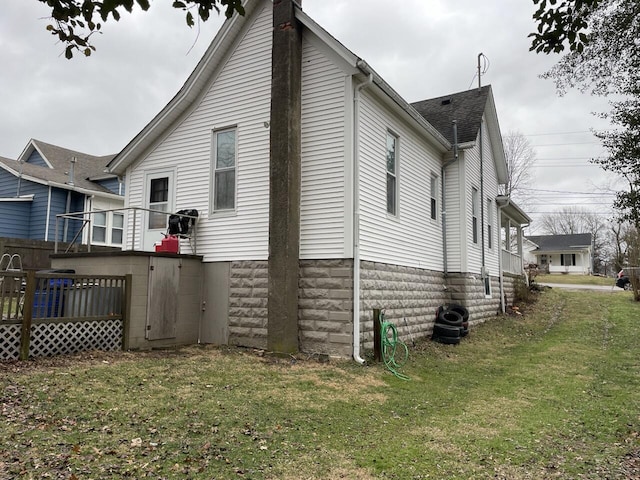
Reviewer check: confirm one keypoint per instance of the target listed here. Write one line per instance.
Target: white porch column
(520, 252)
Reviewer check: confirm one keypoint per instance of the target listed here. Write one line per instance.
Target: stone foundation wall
(404, 293)
(468, 290)
(248, 295)
(325, 306)
(509, 282)
(325, 302)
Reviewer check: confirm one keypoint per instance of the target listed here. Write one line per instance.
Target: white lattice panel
(49, 339)
(9, 341)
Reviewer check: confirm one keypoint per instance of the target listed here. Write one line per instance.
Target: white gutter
(356, 221)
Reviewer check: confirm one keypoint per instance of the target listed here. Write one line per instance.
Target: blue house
(47, 180)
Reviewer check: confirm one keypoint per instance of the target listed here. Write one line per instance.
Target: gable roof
(59, 158)
(206, 70)
(556, 243)
(467, 108)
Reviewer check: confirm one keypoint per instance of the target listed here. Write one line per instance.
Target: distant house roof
(58, 160)
(560, 243)
(465, 107)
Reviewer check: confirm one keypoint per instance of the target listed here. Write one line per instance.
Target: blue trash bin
(49, 299)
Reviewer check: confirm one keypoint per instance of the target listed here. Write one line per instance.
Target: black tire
(440, 330)
(464, 313)
(465, 325)
(441, 309)
(464, 332)
(448, 317)
(447, 340)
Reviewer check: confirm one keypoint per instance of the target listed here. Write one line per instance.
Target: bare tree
(520, 158)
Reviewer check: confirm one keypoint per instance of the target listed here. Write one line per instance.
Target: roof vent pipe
(72, 171)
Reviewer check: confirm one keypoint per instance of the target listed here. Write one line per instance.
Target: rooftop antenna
(482, 68)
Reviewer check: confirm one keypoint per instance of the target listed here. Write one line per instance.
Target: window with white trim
(487, 286)
(99, 230)
(474, 214)
(107, 228)
(392, 174)
(434, 197)
(158, 200)
(224, 170)
(489, 223)
(117, 228)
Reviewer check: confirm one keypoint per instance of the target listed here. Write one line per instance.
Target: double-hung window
(489, 223)
(99, 229)
(107, 228)
(117, 228)
(159, 201)
(474, 215)
(392, 174)
(224, 169)
(434, 197)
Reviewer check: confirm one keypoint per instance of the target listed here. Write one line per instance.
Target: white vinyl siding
(322, 203)
(239, 95)
(455, 214)
(411, 238)
(490, 187)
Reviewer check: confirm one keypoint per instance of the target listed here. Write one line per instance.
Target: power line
(553, 133)
(571, 165)
(566, 191)
(564, 144)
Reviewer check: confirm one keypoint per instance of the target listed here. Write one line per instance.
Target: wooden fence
(46, 314)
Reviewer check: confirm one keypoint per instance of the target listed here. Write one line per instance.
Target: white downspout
(356, 221)
(46, 226)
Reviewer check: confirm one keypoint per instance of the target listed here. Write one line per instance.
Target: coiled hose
(394, 351)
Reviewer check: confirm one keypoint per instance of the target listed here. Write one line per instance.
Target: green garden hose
(394, 351)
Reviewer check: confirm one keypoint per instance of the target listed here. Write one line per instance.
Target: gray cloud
(423, 48)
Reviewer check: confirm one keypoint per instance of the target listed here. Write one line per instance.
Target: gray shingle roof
(87, 166)
(554, 243)
(465, 107)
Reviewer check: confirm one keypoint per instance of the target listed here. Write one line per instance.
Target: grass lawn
(576, 279)
(551, 394)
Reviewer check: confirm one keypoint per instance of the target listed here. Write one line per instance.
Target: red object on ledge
(169, 244)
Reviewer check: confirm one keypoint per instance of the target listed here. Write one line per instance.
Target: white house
(313, 180)
(568, 254)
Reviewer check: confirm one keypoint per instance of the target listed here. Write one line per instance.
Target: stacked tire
(452, 324)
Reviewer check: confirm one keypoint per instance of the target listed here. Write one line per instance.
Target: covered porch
(512, 221)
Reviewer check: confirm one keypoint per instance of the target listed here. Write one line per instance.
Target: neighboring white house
(569, 254)
(391, 205)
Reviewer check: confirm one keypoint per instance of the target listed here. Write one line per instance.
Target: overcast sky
(422, 48)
